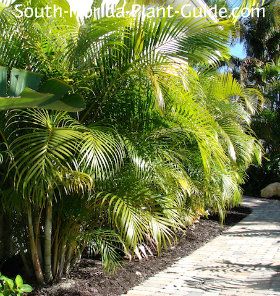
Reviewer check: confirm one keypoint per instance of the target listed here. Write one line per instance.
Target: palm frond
(101, 152)
(104, 242)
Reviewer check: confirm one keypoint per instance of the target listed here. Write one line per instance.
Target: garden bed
(89, 279)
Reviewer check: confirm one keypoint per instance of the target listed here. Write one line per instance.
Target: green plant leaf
(29, 99)
(62, 100)
(20, 79)
(3, 81)
(26, 288)
(9, 282)
(25, 92)
(19, 281)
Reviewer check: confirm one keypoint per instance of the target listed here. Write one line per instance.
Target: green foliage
(163, 138)
(9, 287)
(25, 90)
(261, 69)
(266, 126)
(107, 243)
(261, 34)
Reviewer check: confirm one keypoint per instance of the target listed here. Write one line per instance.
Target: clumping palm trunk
(48, 243)
(33, 249)
(2, 249)
(54, 256)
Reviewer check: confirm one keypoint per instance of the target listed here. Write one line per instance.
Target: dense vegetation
(163, 137)
(261, 68)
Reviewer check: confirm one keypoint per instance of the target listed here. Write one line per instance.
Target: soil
(89, 279)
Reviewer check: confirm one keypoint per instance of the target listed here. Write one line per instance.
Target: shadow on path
(257, 233)
(225, 277)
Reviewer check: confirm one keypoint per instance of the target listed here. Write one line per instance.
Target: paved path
(244, 260)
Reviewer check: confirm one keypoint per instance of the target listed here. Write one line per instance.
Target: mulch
(89, 279)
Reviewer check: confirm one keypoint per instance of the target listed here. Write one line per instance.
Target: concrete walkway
(244, 260)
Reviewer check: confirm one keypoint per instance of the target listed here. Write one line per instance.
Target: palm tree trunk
(33, 249)
(48, 243)
(69, 256)
(77, 258)
(56, 248)
(62, 259)
(37, 220)
(2, 248)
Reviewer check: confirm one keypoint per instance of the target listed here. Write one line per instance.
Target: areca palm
(159, 143)
(203, 140)
(47, 163)
(116, 48)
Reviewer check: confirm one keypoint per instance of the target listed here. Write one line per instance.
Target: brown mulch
(89, 279)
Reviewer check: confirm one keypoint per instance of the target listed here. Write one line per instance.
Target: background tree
(261, 68)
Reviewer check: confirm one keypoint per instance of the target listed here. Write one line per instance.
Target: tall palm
(261, 34)
(159, 143)
(157, 187)
(261, 69)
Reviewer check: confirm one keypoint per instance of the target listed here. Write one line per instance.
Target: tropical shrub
(9, 287)
(163, 138)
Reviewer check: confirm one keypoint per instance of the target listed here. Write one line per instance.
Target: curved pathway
(244, 260)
